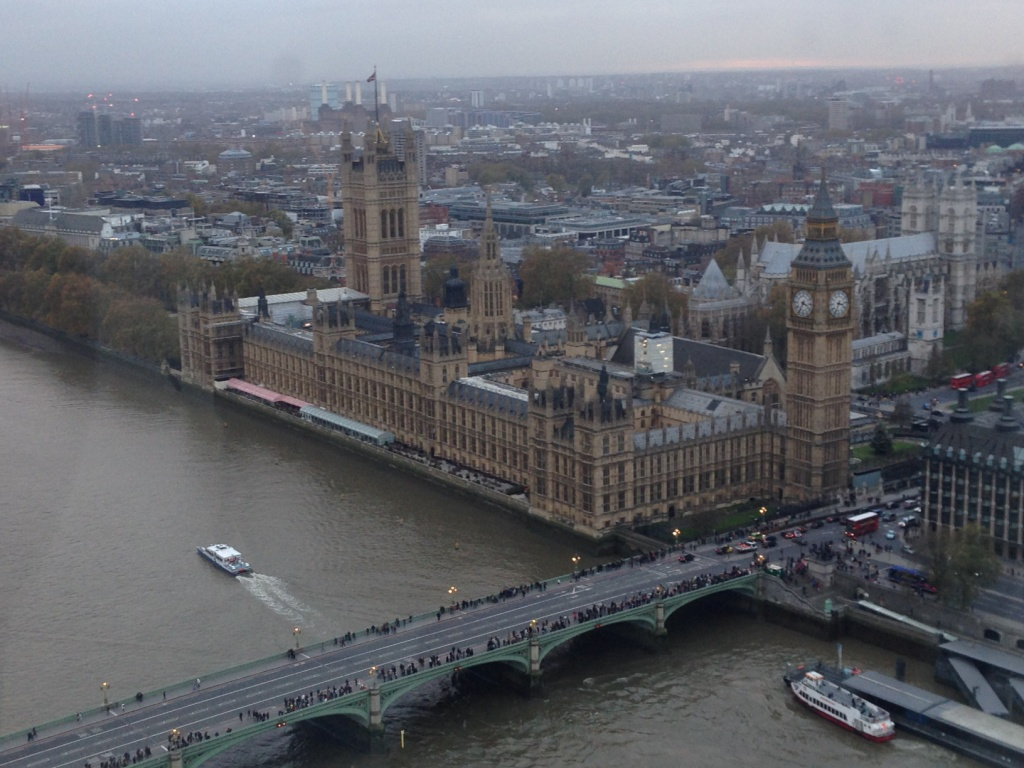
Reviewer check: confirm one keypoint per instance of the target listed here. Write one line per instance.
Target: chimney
(961, 415)
(1007, 422)
(997, 401)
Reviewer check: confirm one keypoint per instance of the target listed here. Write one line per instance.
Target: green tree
(556, 276)
(435, 275)
(657, 290)
(902, 412)
(995, 326)
(962, 563)
(881, 442)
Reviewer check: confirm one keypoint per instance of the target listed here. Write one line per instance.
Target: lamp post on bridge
(105, 687)
(675, 535)
(575, 564)
(762, 511)
(296, 632)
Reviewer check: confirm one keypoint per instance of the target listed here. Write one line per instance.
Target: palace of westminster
(620, 424)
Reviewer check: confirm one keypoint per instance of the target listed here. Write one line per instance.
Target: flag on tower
(372, 77)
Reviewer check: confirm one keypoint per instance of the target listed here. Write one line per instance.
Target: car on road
(686, 557)
(789, 535)
(746, 546)
(850, 535)
(908, 550)
(817, 524)
(890, 534)
(726, 550)
(771, 541)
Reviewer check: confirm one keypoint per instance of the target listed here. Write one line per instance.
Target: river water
(111, 478)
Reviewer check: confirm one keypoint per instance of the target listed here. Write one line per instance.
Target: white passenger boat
(835, 703)
(226, 558)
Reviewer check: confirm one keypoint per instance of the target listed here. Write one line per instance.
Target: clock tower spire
(819, 352)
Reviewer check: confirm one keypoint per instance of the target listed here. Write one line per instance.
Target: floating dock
(978, 735)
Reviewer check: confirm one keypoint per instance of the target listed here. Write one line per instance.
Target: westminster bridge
(350, 682)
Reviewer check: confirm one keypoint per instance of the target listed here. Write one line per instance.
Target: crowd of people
(128, 758)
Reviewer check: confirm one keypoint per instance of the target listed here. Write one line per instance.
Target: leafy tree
(556, 276)
(133, 270)
(658, 291)
(962, 563)
(435, 275)
(881, 442)
(770, 317)
(902, 412)
(995, 326)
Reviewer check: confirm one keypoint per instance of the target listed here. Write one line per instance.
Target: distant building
(323, 93)
(838, 114)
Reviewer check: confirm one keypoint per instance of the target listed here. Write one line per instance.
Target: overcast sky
(106, 44)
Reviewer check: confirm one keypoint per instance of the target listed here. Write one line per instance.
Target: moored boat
(835, 703)
(226, 558)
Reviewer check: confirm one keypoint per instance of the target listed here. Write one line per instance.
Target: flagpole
(376, 101)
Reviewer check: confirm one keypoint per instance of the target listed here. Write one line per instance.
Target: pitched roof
(776, 258)
(713, 286)
(709, 360)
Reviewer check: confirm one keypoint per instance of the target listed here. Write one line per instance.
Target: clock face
(839, 304)
(802, 303)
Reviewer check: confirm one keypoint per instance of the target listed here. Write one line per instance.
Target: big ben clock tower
(819, 352)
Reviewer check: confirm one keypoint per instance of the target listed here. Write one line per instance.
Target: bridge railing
(94, 714)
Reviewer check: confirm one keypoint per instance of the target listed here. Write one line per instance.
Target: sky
(163, 44)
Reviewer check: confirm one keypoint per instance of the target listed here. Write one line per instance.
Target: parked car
(890, 534)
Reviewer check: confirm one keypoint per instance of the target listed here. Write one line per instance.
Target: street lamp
(575, 563)
(675, 535)
(296, 632)
(762, 511)
(533, 626)
(452, 592)
(104, 687)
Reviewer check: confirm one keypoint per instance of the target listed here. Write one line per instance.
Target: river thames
(112, 478)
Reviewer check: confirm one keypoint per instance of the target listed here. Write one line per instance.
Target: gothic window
(387, 280)
(383, 224)
(949, 245)
(401, 269)
(401, 222)
(394, 224)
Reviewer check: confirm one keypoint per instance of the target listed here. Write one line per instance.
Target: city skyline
(109, 44)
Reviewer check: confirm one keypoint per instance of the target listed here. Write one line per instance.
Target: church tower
(490, 303)
(380, 197)
(819, 350)
(958, 214)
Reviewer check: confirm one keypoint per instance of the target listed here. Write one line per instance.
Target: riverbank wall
(513, 504)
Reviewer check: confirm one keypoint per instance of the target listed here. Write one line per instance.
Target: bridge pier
(174, 759)
(659, 620)
(535, 685)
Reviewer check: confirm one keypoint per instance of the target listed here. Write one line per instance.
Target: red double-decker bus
(1001, 371)
(865, 522)
(961, 381)
(984, 378)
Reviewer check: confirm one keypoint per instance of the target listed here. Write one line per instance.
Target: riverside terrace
(514, 630)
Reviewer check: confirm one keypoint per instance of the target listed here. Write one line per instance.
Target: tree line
(124, 299)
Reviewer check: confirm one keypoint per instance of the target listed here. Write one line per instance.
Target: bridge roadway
(215, 706)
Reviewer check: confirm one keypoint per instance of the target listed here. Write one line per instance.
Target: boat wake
(273, 593)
